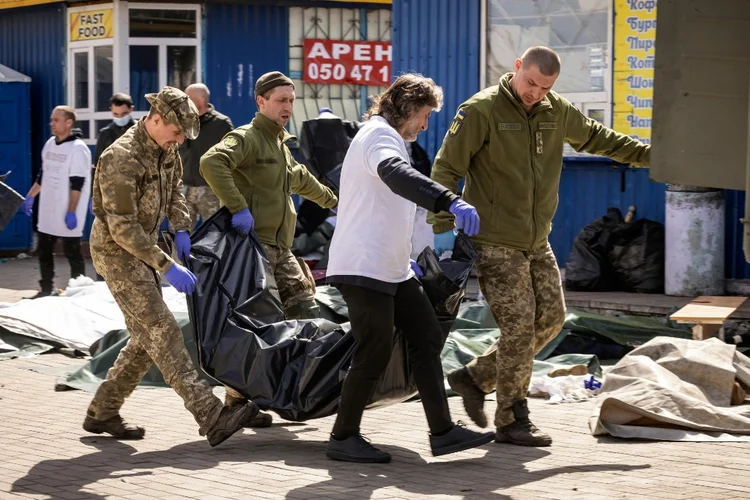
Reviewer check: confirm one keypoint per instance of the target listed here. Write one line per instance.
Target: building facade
(80, 53)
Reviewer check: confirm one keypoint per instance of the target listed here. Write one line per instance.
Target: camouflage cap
(176, 108)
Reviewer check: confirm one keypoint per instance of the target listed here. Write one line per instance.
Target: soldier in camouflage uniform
(253, 173)
(138, 182)
(507, 141)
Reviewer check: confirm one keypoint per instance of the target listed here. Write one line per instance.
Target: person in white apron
(64, 186)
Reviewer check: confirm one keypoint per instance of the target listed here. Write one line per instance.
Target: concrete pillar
(694, 241)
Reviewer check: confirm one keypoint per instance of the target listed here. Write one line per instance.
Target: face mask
(121, 121)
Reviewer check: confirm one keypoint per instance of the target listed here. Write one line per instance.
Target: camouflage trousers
(296, 287)
(201, 201)
(155, 337)
(525, 296)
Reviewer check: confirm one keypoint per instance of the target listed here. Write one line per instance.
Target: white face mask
(122, 120)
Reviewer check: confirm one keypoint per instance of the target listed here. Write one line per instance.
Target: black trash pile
(295, 368)
(610, 254)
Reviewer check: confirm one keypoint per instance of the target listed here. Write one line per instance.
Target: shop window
(81, 83)
(164, 49)
(580, 31)
(103, 85)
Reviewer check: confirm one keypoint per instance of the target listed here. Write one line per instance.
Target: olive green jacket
(512, 160)
(253, 168)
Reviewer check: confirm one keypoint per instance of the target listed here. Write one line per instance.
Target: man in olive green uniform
(138, 182)
(507, 141)
(254, 175)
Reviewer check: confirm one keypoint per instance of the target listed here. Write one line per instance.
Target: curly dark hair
(408, 93)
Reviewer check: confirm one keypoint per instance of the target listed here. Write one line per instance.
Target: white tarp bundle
(84, 314)
(675, 390)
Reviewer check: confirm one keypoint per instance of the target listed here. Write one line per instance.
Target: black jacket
(214, 126)
(108, 135)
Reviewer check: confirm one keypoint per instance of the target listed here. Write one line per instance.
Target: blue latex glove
(91, 206)
(71, 221)
(182, 242)
(415, 267)
(243, 221)
(28, 205)
(181, 278)
(445, 242)
(466, 217)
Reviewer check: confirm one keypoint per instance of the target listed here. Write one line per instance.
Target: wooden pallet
(708, 314)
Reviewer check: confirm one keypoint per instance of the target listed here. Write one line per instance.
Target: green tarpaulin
(473, 332)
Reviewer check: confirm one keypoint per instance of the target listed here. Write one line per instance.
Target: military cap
(176, 108)
(271, 81)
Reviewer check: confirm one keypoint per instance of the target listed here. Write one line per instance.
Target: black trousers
(373, 315)
(46, 249)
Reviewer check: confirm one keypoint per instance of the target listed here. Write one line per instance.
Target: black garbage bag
(588, 267)
(10, 202)
(324, 143)
(294, 368)
(637, 256)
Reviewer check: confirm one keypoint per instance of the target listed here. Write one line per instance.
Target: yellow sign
(91, 25)
(11, 4)
(635, 35)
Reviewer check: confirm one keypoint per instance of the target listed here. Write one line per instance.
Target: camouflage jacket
(137, 184)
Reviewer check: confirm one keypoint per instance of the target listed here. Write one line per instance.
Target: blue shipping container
(242, 42)
(439, 39)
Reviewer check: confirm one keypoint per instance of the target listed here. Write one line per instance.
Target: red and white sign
(347, 62)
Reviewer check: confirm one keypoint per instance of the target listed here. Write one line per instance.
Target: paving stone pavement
(46, 455)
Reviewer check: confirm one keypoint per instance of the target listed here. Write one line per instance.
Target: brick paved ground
(45, 454)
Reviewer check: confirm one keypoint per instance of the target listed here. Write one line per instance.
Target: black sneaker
(43, 293)
(356, 449)
(459, 438)
(461, 382)
(522, 432)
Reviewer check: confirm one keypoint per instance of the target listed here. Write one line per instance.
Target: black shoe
(461, 382)
(43, 293)
(231, 419)
(459, 438)
(356, 449)
(114, 426)
(260, 420)
(522, 432)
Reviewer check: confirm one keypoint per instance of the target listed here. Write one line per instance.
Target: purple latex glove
(28, 205)
(181, 278)
(71, 221)
(467, 218)
(415, 267)
(182, 242)
(243, 221)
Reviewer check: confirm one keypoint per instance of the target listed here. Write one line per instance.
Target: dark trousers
(373, 315)
(46, 249)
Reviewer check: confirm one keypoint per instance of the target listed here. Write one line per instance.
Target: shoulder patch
(457, 123)
(229, 141)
